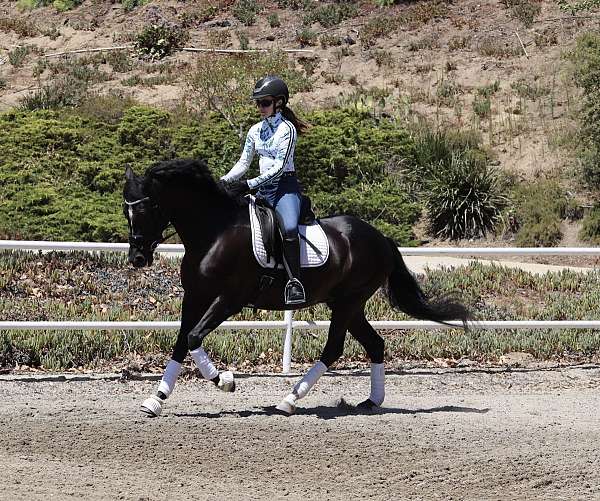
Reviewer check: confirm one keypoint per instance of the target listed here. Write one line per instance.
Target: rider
(274, 139)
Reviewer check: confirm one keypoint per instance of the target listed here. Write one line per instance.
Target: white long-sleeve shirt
(274, 139)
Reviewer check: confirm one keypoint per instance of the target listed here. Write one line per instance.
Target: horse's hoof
(152, 406)
(367, 405)
(287, 406)
(226, 382)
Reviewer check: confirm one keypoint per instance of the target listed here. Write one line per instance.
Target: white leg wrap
(377, 383)
(310, 378)
(207, 369)
(169, 377)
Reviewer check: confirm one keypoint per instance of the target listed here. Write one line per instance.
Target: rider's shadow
(328, 412)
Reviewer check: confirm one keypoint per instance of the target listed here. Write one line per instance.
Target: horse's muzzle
(139, 259)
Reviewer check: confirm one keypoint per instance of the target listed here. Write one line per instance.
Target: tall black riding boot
(294, 291)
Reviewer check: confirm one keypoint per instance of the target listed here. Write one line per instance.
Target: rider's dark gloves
(237, 188)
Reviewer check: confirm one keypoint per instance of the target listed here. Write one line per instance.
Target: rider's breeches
(288, 212)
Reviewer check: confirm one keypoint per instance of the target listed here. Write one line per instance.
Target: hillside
(493, 66)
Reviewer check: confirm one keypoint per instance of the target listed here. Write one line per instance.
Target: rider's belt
(289, 173)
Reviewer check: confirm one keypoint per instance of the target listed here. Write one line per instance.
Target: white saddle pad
(312, 254)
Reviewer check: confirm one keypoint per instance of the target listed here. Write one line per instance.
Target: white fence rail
(408, 251)
(289, 324)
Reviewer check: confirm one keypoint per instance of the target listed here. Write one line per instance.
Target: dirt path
(442, 435)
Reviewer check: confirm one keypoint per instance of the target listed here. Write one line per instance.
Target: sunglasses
(264, 103)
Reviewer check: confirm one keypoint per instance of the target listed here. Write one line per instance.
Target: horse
(220, 274)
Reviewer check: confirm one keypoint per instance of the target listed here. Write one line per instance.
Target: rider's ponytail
(301, 125)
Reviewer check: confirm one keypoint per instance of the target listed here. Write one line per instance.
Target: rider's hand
(237, 188)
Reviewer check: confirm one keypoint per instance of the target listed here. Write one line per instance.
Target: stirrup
(292, 296)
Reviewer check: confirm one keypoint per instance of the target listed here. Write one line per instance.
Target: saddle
(267, 236)
(270, 225)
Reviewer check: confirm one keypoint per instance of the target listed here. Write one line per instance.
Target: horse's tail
(405, 294)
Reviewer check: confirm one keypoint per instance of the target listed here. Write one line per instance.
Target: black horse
(220, 274)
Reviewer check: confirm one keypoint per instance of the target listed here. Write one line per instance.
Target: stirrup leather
(292, 296)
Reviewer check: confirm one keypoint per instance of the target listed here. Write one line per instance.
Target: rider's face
(266, 106)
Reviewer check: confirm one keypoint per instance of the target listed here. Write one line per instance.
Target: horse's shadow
(328, 412)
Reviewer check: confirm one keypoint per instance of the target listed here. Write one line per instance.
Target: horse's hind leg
(334, 347)
(373, 344)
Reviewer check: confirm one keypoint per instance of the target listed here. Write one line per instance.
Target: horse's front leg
(192, 311)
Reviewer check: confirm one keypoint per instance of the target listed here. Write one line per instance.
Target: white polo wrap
(169, 377)
(377, 383)
(310, 378)
(207, 369)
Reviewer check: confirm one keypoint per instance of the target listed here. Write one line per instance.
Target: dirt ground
(443, 434)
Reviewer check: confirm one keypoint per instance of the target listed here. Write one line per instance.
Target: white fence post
(287, 341)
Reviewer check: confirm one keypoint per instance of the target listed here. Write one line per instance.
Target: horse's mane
(192, 172)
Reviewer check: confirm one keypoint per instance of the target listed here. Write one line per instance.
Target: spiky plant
(464, 198)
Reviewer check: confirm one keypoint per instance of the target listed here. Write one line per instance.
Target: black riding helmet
(271, 86)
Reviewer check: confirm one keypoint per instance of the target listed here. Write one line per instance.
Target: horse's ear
(129, 174)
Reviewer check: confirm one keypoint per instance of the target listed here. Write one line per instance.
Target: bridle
(137, 240)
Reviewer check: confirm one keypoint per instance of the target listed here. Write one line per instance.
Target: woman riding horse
(220, 274)
(274, 139)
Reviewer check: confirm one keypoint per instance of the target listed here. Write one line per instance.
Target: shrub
(344, 148)
(385, 205)
(295, 4)
(376, 28)
(129, 5)
(21, 27)
(464, 198)
(331, 15)
(586, 58)
(524, 10)
(488, 90)
(64, 91)
(273, 20)
(306, 37)
(590, 229)
(160, 40)
(244, 40)
(482, 107)
(62, 172)
(539, 209)
(246, 11)
(17, 56)
(527, 90)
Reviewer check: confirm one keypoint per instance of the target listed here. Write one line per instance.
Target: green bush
(62, 171)
(64, 91)
(18, 55)
(482, 107)
(590, 229)
(524, 10)
(331, 15)
(160, 40)
(60, 5)
(586, 58)
(385, 205)
(539, 209)
(129, 5)
(346, 147)
(246, 11)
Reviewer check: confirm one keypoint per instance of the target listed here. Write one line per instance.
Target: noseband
(138, 240)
